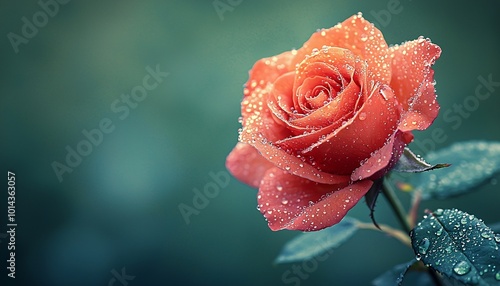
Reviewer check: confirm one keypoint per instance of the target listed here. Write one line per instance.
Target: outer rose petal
(267, 70)
(294, 203)
(291, 163)
(412, 82)
(360, 37)
(384, 158)
(247, 165)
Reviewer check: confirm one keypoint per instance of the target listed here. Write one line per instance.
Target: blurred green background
(119, 208)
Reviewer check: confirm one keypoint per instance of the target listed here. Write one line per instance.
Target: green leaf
(395, 275)
(411, 163)
(472, 164)
(310, 244)
(459, 246)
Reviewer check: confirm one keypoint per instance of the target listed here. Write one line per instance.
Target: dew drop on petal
(362, 116)
(385, 92)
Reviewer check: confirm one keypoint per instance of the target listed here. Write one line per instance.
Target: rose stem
(398, 234)
(415, 204)
(402, 218)
(396, 205)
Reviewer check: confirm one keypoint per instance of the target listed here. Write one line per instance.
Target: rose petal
(291, 163)
(424, 108)
(340, 65)
(413, 82)
(344, 149)
(267, 70)
(359, 36)
(307, 139)
(253, 105)
(333, 62)
(259, 123)
(332, 209)
(383, 159)
(294, 203)
(280, 104)
(247, 165)
(260, 129)
(344, 103)
(318, 91)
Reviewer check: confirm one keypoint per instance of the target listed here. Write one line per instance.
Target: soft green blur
(120, 206)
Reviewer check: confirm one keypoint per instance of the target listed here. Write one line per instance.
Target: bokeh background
(119, 208)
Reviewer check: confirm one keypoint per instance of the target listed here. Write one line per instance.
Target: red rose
(322, 122)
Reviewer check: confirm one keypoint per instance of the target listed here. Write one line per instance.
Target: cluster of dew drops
(461, 225)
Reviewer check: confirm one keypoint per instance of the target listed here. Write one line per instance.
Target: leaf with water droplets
(459, 246)
(395, 275)
(411, 163)
(472, 163)
(310, 244)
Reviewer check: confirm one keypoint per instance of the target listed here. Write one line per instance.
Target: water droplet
(439, 232)
(497, 276)
(385, 92)
(448, 249)
(461, 268)
(439, 212)
(497, 238)
(284, 201)
(424, 245)
(485, 235)
(362, 116)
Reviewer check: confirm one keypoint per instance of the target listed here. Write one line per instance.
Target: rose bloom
(321, 123)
